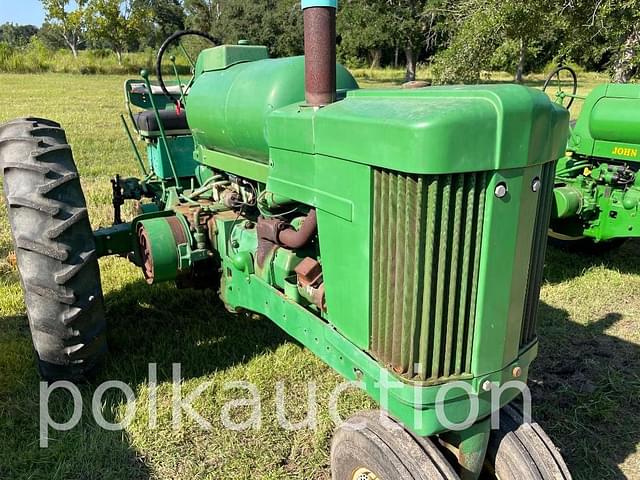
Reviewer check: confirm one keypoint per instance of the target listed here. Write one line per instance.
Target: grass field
(586, 381)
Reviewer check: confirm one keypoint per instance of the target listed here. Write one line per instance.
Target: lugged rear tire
(55, 249)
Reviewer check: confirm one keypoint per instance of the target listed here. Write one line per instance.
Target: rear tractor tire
(55, 249)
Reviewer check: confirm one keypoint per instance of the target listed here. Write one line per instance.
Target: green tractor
(399, 235)
(597, 190)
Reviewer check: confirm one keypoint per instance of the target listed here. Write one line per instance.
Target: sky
(21, 12)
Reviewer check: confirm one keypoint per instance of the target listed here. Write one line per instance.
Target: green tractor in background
(597, 189)
(399, 235)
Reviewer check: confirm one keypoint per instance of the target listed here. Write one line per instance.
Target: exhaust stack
(320, 51)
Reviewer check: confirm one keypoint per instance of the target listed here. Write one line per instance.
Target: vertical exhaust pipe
(320, 51)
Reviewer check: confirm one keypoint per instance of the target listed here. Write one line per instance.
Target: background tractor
(597, 189)
(398, 234)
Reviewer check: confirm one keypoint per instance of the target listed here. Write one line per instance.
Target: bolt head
(501, 190)
(517, 372)
(536, 184)
(486, 386)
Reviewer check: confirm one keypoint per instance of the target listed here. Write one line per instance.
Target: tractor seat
(174, 124)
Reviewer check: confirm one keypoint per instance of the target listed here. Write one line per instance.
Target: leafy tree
(203, 15)
(364, 26)
(371, 26)
(118, 23)
(70, 26)
(275, 23)
(17, 35)
(50, 37)
(168, 16)
(413, 29)
(480, 28)
(606, 30)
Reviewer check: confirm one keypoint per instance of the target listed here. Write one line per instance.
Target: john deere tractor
(597, 190)
(399, 234)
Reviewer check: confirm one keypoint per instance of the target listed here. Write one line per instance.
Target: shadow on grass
(146, 324)
(563, 264)
(585, 386)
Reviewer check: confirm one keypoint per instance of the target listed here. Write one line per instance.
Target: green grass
(586, 381)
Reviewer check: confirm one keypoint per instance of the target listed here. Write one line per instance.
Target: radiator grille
(426, 248)
(538, 250)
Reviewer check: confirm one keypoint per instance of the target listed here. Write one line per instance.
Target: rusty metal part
(177, 229)
(320, 55)
(309, 272)
(295, 239)
(230, 198)
(318, 297)
(269, 229)
(145, 254)
(144, 242)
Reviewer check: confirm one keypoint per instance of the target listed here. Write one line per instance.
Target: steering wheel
(176, 38)
(560, 94)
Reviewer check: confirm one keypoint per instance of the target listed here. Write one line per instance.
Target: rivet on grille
(501, 190)
(536, 184)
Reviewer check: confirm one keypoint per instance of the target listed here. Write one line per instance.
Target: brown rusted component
(145, 254)
(177, 229)
(212, 229)
(309, 272)
(320, 55)
(319, 298)
(269, 229)
(265, 250)
(230, 198)
(144, 243)
(295, 239)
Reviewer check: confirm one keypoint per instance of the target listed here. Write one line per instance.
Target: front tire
(522, 450)
(55, 249)
(364, 448)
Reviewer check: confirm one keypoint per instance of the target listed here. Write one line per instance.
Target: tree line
(459, 39)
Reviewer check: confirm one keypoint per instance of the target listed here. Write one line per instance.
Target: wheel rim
(364, 474)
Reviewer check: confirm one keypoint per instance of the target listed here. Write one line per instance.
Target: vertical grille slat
(424, 345)
(426, 242)
(479, 218)
(538, 251)
(463, 314)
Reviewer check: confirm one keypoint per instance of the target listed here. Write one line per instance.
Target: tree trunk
(396, 58)
(521, 61)
(410, 74)
(72, 44)
(376, 58)
(623, 67)
(119, 55)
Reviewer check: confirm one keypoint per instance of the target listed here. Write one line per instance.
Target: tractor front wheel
(370, 446)
(520, 450)
(55, 249)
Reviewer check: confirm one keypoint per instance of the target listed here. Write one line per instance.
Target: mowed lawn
(586, 381)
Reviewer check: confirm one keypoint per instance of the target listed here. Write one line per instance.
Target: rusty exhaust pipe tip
(320, 51)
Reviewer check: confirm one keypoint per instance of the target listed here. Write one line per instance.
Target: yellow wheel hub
(364, 474)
